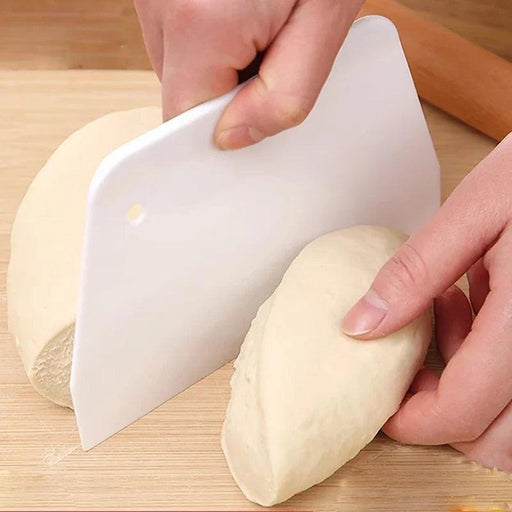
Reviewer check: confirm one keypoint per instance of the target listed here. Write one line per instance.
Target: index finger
(470, 220)
(475, 385)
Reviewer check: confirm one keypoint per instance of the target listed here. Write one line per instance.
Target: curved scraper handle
(452, 73)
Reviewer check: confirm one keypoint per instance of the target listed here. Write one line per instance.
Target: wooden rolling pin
(452, 73)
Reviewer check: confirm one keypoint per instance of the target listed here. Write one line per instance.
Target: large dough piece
(305, 397)
(46, 244)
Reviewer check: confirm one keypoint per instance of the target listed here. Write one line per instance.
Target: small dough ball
(46, 245)
(306, 398)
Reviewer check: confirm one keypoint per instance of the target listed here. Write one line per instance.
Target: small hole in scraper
(135, 213)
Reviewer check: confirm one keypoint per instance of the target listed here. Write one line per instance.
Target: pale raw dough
(46, 243)
(305, 397)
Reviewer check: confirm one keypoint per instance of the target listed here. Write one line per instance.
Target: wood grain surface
(171, 459)
(104, 34)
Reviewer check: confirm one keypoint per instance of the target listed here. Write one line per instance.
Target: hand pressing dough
(46, 244)
(305, 397)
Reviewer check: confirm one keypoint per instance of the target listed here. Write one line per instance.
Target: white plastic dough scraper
(167, 294)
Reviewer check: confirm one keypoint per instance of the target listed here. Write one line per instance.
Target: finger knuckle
(291, 111)
(466, 432)
(406, 269)
(464, 426)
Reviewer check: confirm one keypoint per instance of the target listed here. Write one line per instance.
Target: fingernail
(365, 315)
(238, 137)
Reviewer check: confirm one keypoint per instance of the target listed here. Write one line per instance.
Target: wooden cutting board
(172, 458)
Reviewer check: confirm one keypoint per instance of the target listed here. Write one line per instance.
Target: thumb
(436, 256)
(291, 75)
